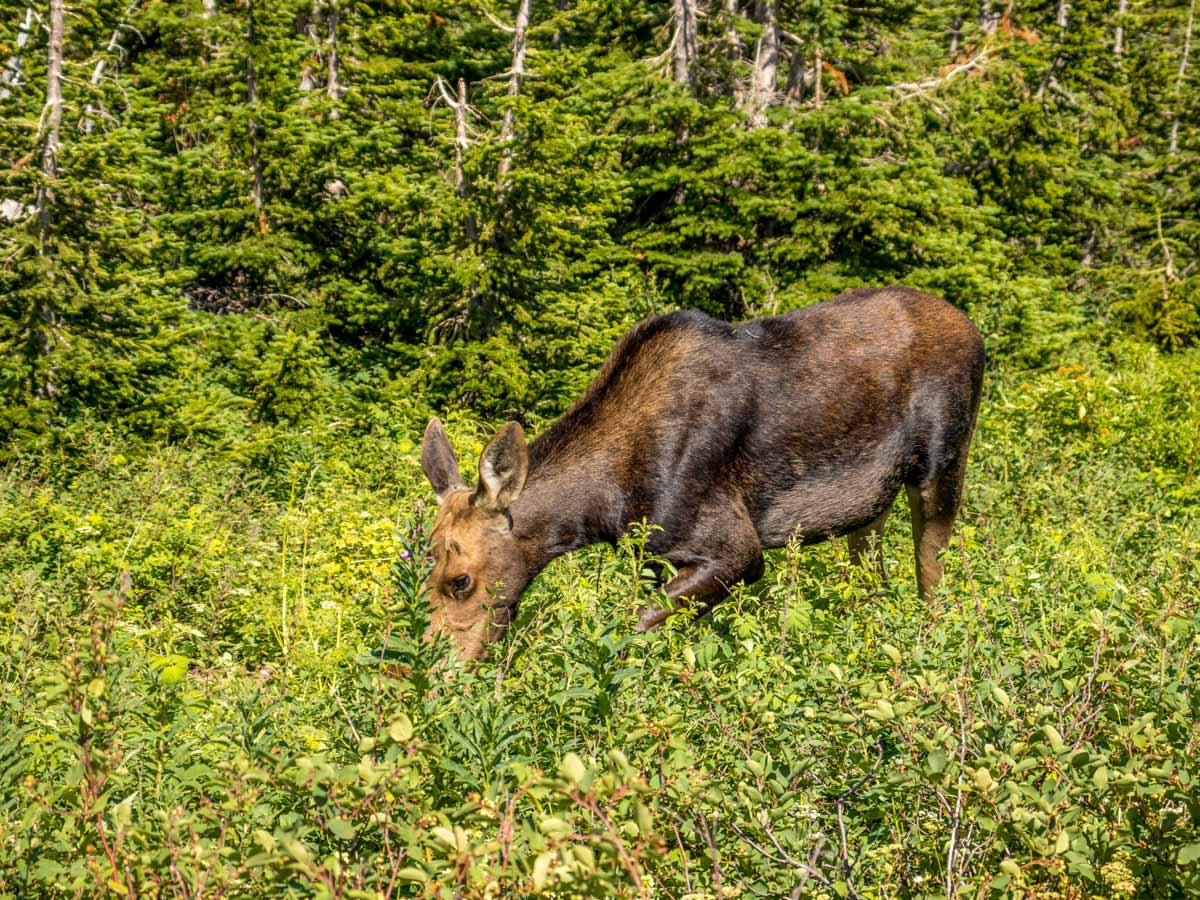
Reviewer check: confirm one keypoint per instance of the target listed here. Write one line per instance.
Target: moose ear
(502, 469)
(438, 460)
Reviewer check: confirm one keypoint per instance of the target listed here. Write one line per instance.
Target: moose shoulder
(732, 439)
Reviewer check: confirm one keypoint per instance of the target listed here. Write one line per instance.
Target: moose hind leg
(933, 507)
(866, 544)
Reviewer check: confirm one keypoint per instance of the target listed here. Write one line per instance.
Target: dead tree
(461, 142)
(51, 123)
(113, 49)
(10, 76)
(321, 26)
(1062, 12)
(333, 75)
(1180, 76)
(1119, 38)
(766, 64)
(42, 321)
(257, 190)
(818, 85)
(989, 19)
(516, 76)
(684, 42)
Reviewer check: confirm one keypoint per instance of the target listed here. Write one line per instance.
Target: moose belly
(822, 505)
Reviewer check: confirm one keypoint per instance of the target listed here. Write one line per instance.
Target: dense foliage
(297, 163)
(215, 686)
(246, 248)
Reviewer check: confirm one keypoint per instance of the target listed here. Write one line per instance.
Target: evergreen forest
(249, 247)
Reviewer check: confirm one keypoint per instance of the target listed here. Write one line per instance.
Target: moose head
(480, 568)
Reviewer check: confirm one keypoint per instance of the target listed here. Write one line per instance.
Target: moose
(731, 439)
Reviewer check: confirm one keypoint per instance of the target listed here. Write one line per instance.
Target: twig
(784, 857)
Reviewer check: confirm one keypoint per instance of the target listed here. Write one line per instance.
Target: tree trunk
(257, 191)
(733, 49)
(308, 75)
(955, 34)
(1062, 12)
(1180, 76)
(333, 84)
(766, 64)
(10, 77)
(42, 315)
(988, 20)
(461, 189)
(818, 86)
(797, 81)
(1119, 39)
(515, 77)
(53, 120)
(683, 42)
(210, 8)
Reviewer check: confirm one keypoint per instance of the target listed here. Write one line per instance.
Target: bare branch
(913, 88)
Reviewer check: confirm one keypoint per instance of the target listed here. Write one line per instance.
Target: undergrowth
(214, 684)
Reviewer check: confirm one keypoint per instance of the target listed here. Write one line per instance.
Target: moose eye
(460, 585)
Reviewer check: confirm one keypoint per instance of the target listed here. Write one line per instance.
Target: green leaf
(342, 829)
(936, 762)
(1188, 854)
(572, 768)
(400, 729)
(541, 869)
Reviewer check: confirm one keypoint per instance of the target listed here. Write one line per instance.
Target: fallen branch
(915, 88)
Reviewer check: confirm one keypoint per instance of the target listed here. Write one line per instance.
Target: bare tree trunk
(10, 77)
(461, 189)
(766, 64)
(955, 34)
(257, 192)
(1119, 39)
(683, 41)
(308, 75)
(1062, 12)
(818, 86)
(1183, 64)
(210, 8)
(515, 77)
(52, 127)
(42, 318)
(988, 20)
(733, 49)
(333, 84)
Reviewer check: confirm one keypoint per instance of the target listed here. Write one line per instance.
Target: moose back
(730, 438)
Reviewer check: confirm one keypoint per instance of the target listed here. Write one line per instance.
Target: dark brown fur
(732, 439)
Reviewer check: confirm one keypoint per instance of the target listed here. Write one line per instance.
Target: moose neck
(570, 500)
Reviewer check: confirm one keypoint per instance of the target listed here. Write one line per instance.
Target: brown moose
(732, 439)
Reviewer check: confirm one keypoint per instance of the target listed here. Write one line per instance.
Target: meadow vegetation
(248, 248)
(215, 683)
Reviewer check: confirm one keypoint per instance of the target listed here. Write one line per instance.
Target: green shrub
(215, 684)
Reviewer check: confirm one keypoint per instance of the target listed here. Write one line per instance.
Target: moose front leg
(726, 553)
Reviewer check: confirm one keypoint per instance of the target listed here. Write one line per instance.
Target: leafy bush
(215, 685)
